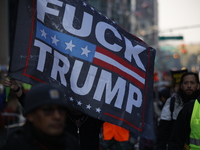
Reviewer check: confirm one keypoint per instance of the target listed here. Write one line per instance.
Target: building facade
(139, 17)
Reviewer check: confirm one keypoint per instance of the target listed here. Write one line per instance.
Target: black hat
(44, 94)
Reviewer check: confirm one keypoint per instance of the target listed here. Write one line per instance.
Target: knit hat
(44, 94)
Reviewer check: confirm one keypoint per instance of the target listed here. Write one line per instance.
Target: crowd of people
(48, 122)
(81, 131)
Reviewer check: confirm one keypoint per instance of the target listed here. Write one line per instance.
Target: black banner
(107, 71)
(176, 76)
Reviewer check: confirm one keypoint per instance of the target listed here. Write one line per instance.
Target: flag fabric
(106, 71)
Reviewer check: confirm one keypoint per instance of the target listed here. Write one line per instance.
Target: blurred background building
(4, 33)
(139, 17)
(7, 15)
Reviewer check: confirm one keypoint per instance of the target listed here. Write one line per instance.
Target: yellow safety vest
(195, 127)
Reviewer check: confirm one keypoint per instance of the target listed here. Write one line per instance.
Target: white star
(84, 4)
(71, 99)
(98, 110)
(69, 45)
(44, 34)
(88, 106)
(54, 40)
(85, 51)
(92, 8)
(79, 103)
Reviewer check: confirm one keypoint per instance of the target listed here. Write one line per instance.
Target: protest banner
(107, 71)
(176, 76)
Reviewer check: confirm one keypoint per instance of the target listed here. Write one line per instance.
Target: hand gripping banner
(107, 71)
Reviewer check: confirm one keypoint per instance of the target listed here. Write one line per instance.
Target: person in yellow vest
(115, 137)
(187, 128)
(188, 90)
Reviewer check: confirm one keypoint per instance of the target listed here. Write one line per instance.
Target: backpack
(171, 107)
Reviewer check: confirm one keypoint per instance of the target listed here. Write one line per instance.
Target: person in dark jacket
(45, 111)
(84, 128)
(188, 90)
(187, 127)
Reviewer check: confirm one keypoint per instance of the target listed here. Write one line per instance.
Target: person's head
(189, 83)
(164, 94)
(45, 108)
(74, 112)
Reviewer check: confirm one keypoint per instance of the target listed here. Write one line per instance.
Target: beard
(188, 97)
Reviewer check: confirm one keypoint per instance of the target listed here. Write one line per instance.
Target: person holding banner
(45, 111)
(84, 128)
(13, 85)
(188, 90)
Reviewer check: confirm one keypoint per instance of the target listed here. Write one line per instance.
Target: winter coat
(167, 120)
(27, 138)
(86, 131)
(181, 131)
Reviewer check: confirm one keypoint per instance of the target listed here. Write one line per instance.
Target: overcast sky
(180, 13)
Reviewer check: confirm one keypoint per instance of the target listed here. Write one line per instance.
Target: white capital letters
(100, 35)
(131, 100)
(42, 8)
(68, 17)
(134, 51)
(42, 55)
(105, 82)
(61, 70)
(85, 89)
